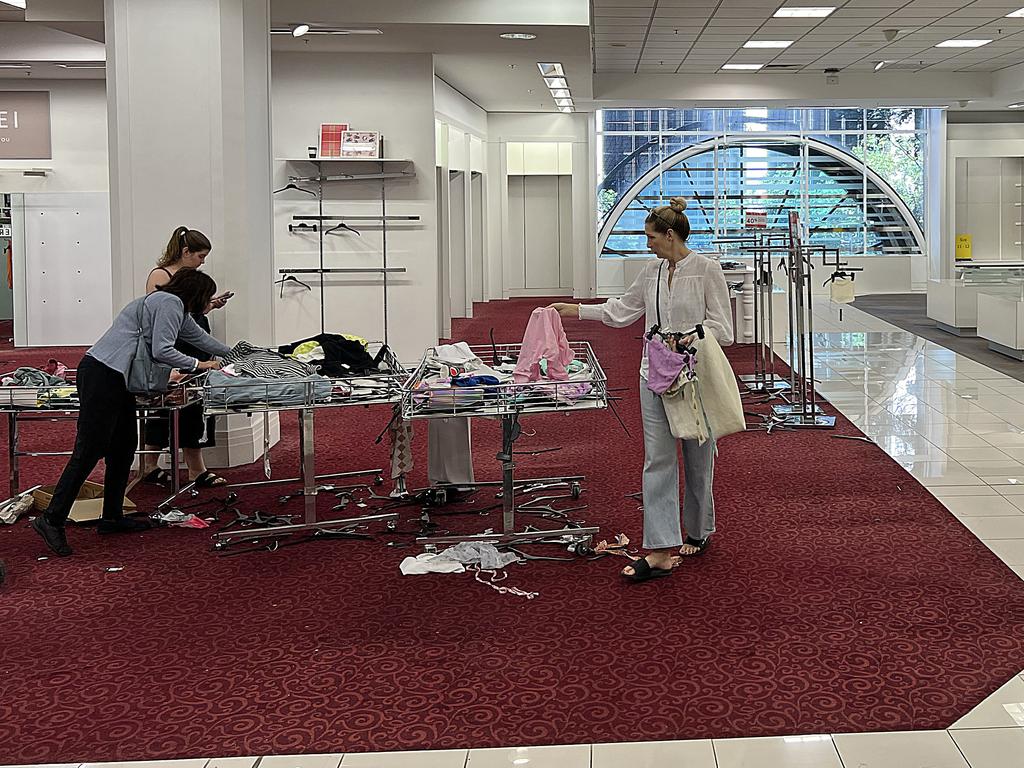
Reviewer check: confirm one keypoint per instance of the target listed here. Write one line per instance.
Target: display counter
(953, 302)
(1001, 318)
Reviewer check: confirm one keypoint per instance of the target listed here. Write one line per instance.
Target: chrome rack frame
(509, 402)
(312, 396)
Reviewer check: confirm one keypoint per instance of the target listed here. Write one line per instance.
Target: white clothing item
(486, 556)
(430, 562)
(450, 451)
(455, 354)
(699, 294)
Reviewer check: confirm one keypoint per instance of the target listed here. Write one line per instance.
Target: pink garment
(544, 340)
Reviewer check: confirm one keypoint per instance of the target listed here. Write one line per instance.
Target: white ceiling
(699, 36)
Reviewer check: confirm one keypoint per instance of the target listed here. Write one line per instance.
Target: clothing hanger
(342, 225)
(290, 185)
(303, 227)
(291, 279)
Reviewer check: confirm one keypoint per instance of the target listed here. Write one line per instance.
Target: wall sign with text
(25, 125)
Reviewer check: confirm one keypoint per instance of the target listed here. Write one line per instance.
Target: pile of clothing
(256, 376)
(337, 355)
(44, 387)
(455, 378)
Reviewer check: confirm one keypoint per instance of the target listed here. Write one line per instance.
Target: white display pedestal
(1001, 321)
(240, 439)
(953, 305)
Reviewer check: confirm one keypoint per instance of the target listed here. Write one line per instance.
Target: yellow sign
(963, 247)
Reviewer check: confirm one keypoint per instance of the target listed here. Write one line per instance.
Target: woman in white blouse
(691, 289)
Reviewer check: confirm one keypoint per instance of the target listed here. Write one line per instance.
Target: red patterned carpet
(838, 596)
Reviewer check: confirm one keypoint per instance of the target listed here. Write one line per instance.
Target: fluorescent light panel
(809, 12)
(14, 3)
(518, 36)
(82, 65)
(767, 43)
(556, 82)
(565, 109)
(15, 66)
(745, 67)
(550, 70)
(561, 93)
(1015, 106)
(962, 43)
(1016, 14)
(563, 102)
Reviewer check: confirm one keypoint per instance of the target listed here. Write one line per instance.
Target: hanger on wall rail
(303, 227)
(297, 188)
(342, 225)
(291, 279)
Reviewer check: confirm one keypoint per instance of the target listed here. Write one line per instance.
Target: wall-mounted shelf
(341, 160)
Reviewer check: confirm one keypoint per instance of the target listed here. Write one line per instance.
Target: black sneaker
(122, 525)
(53, 535)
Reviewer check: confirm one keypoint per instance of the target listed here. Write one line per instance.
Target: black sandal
(642, 571)
(700, 544)
(209, 479)
(159, 477)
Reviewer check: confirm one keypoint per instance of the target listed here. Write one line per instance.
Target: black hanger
(303, 227)
(342, 225)
(292, 279)
(290, 185)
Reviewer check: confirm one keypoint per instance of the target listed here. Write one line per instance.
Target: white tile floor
(955, 425)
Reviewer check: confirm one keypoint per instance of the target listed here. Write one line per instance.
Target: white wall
(392, 94)
(455, 109)
(78, 138)
(971, 140)
(529, 127)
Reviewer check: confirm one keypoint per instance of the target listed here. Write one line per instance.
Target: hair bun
(677, 204)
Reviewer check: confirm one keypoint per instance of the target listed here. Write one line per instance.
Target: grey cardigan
(164, 322)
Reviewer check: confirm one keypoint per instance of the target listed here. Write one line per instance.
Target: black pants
(106, 430)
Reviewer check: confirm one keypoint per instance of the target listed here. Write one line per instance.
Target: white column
(188, 94)
(188, 100)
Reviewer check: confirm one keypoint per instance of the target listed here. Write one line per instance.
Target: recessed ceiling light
(879, 65)
(616, 45)
(300, 30)
(962, 43)
(563, 102)
(322, 30)
(15, 3)
(561, 93)
(1016, 14)
(748, 67)
(15, 66)
(767, 43)
(550, 70)
(517, 36)
(565, 109)
(556, 82)
(1015, 106)
(82, 65)
(817, 12)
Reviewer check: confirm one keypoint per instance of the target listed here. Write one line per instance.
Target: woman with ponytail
(187, 249)
(684, 289)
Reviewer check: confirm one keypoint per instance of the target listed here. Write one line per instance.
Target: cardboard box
(87, 507)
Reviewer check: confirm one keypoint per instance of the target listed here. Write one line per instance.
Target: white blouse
(699, 294)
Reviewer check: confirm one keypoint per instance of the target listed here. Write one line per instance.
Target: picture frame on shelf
(330, 139)
(360, 144)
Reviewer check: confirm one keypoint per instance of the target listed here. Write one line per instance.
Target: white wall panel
(477, 214)
(540, 157)
(457, 243)
(565, 232)
(66, 271)
(515, 251)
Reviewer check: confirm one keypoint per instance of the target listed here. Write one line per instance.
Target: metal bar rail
(508, 401)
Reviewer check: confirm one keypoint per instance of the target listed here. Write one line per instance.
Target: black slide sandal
(700, 544)
(642, 571)
(159, 477)
(209, 479)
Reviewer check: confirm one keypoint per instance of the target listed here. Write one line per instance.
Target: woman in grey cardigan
(106, 420)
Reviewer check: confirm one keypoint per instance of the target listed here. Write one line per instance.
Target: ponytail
(183, 238)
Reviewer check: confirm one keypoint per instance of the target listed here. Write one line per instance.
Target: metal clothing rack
(389, 392)
(321, 178)
(509, 402)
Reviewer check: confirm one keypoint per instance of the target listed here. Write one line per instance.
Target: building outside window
(856, 176)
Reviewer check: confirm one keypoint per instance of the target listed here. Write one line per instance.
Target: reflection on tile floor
(956, 426)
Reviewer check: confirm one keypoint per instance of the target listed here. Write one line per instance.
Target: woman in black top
(187, 249)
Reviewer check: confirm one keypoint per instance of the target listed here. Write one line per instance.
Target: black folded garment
(342, 357)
